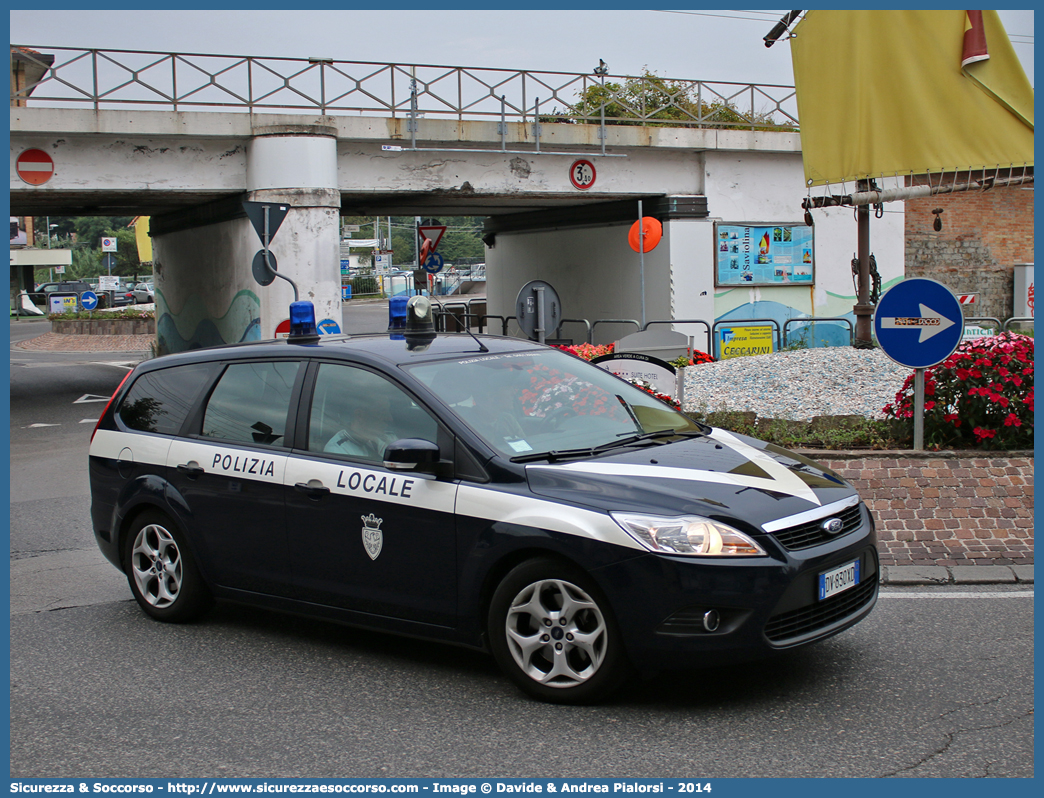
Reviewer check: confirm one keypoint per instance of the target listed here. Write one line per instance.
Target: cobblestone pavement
(942, 518)
(56, 342)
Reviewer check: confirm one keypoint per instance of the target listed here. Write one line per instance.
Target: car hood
(724, 476)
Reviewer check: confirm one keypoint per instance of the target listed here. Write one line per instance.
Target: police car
(485, 491)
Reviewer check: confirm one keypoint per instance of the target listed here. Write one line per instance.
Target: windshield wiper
(631, 413)
(560, 454)
(651, 436)
(591, 451)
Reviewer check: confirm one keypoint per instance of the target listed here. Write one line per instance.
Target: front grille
(805, 536)
(810, 619)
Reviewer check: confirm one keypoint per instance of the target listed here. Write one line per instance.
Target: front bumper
(759, 605)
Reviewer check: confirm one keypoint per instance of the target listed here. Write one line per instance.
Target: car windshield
(524, 404)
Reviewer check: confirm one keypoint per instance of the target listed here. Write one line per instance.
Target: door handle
(313, 489)
(191, 469)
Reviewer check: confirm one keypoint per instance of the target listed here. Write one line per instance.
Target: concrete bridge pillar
(297, 165)
(206, 293)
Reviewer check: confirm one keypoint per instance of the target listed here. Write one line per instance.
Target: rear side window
(160, 400)
(249, 404)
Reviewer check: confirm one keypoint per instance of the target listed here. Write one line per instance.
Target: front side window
(358, 413)
(159, 401)
(250, 403)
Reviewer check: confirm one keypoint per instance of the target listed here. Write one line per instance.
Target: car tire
(162, 571)
(553, 634)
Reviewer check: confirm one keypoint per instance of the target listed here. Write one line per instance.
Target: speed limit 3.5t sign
(582, 174)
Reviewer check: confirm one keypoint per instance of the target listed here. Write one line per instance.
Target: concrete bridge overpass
(191, 169)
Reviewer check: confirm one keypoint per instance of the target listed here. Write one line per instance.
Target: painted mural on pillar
(193, 327)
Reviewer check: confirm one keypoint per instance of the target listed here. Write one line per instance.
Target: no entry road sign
(918, 322)
(35, 167)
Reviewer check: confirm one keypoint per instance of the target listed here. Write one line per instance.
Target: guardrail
(811, 320)
(195, 81)
(710, 342)
(1019, 319)
(480, 320)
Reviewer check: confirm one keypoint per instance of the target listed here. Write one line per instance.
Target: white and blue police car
(485, 491)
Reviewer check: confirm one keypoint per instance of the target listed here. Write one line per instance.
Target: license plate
(837, 580)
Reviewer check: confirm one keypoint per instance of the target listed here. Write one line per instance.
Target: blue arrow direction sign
(434, 263)
(918, 322)
(89, 300)
(328, 327)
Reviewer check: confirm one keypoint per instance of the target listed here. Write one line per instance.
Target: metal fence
(100, 79)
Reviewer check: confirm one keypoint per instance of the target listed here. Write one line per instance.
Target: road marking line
(88, 421)
(959, 594)
(36, 426)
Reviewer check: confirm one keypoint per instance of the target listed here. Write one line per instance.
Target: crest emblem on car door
(372, 537)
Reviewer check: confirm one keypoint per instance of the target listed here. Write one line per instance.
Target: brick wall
(985, 233)
(945, 510)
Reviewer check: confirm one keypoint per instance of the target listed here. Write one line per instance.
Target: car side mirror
(412, 454)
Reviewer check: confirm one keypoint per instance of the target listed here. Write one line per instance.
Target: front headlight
(688, 534)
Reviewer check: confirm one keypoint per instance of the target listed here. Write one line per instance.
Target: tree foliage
(83, 234)
(654, 101)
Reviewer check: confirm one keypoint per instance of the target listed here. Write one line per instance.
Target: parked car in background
(143, 294)
(122, 297)
(39, 296)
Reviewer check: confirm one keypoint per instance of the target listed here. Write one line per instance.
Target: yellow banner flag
(883, 93)
(142, 239)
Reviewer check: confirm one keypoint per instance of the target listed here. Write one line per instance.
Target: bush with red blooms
(588, 351)
(980, 397)
(697, 358)
(591, 351)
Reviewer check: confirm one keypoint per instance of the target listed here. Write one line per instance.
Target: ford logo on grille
(832, 526)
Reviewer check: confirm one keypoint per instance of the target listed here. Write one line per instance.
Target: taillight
(106, 410)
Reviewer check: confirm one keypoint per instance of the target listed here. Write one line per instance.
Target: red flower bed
(981, 396)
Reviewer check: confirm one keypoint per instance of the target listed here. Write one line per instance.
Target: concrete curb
(956, 575)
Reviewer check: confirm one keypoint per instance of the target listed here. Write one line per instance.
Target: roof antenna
(467, 327)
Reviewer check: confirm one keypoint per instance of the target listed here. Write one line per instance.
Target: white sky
(697, 44)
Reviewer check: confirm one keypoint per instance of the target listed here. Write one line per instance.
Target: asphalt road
(935, 683)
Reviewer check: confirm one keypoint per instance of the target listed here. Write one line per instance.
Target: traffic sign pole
(918, 410)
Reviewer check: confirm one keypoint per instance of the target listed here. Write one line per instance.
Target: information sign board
(661, 375)
(61, 303)
(764, 254)
(742, 340)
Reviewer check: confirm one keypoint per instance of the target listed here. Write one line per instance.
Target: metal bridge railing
(188, 81)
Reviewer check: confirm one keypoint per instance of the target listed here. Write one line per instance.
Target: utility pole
(863, 310)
